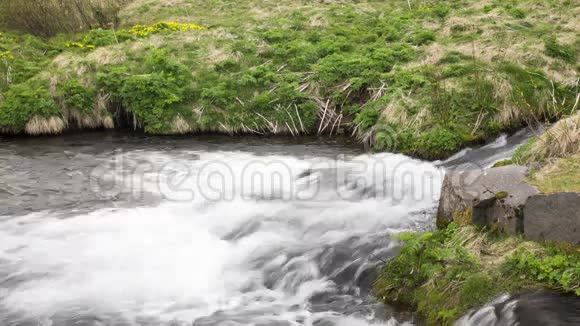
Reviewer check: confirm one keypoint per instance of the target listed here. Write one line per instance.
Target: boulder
(554, 217)
(493, 197)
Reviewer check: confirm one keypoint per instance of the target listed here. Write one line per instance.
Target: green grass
(425, 80)
(447, 272)
(561, 176)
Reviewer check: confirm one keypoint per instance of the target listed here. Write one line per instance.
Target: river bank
(506, 230)
(424, 80)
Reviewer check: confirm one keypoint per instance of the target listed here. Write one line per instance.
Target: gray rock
(496, 197)
(554, 217)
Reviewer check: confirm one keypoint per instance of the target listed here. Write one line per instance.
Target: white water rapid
(202, 234)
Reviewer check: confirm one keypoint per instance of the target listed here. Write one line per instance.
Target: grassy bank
(447, 272)
(553, 157)
(423, 79)
(561, 176)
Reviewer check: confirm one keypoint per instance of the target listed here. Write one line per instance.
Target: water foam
(246, 256)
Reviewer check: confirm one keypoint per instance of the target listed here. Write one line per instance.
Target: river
(113, 228)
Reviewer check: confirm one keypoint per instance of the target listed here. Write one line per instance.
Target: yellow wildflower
(7, 55)
(80, 45)
(143, 31)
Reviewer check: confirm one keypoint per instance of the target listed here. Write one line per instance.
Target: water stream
(120, 229)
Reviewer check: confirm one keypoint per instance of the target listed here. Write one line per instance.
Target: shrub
(532, 93)
(439, 143)
(458, 70)
(100, 37)
(151, 97)
(366, 119)
(441, 10)
(395, 140)
(338, 68)
(153, 92)
(423, 37)
(24, 101)
(426, 257)
(75, 96)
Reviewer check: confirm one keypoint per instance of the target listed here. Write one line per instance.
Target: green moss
(501, 195)
(503, 163)
(444, 273)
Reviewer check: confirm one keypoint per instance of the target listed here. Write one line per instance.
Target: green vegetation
(554, 157)
(561, 176)
(447, 272)
(425, 80)
(560, 140)
(25, 101)
(562, 51)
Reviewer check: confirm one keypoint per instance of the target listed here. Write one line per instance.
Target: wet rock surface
(539, 307)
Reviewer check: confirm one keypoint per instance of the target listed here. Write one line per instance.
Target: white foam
(177, 261)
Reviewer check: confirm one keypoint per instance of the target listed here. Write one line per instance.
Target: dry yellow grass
(560, 140)
(108, 55)
(180, 126)
(45, 126)
(562, 175)
(490, 253)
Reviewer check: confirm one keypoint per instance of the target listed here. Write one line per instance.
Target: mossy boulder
(495, 196)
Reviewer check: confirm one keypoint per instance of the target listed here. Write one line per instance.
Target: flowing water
(119, 229)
